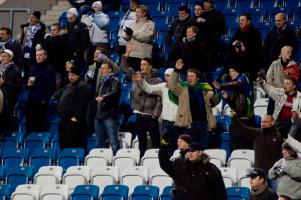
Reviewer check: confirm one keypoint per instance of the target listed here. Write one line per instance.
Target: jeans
(198, 132)
(106, 128)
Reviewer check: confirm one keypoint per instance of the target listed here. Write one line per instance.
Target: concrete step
(54, 12)
(60, 8)
(63, 3)
(49, 18)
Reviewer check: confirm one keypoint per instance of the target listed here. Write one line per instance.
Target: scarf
(32, 30)
(3, 68)
(246, 28)
(258, 190)
(201, 86)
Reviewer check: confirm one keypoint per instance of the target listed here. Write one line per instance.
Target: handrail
(11, 14)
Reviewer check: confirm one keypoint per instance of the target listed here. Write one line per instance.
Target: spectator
(199, 21)
(9, 42)
(127, 20)
(215, 27)
(147, 107)
(82, 6)
(31, 39)
(222, 108)
(10, 85)
(140, 36)
(281, 35)
(246, 45)
(176, 33)
(194, 176)
(287, 173)
(98, 25)
(108, 91)
(78, 40)
(72, 107)
(194, 116)
(259, 186)
(41, 85)
(169, 108)
(193, 53)
(183, 142)
(56, 46)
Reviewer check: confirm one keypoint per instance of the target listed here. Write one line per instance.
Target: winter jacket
(13, 45)
(143, 102)
(1, 101)
(142, 38)
(127, 20)
(44, 84)
(267, 194)
(169, 108)
(275, 40)
(193, 180)
(11, 87)
(279, 96)
(289, 182)
(73, 101)
(267, 144)
(275, 75)
(184, 118)
(110, 90)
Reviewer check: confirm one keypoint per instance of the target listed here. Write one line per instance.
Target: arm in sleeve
(115, 90)
(101, 20)
(232, 85)
(272, 174)
(273, 92)
(249, 131)
(270, 75)
(175, 85)
(84, 40)
(165, 163)
(144, 34)
(294, 171)
(83, 99)
(294, 144)
(151, 89)
(51, 84)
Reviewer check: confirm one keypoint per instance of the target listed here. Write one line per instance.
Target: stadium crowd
(72, 66)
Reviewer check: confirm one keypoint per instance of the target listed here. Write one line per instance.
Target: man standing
(41, 85)
(194, 176)
(108, 91)
(72, 108)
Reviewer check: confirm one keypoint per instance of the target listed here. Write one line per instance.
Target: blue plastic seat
(37, 140)
(55, 144)
(225, 143)
(2, 174)
(19, 175)
(257, 121)
(244, 4)
(114, 38)
(166, 194)
(115, 192)
(5, 192)
(173, 5)
(115, 14)
(85, 192)
(293, 3)
(91, 142)
(12, 157)
(125, 99)
(42, 157)
(159, 17)
(220, 4)
(153, 6)
(71, 157)
(223, 122)
(145, 192)
(267, 4)
(238, 193)
(63, 20)
(12, 140)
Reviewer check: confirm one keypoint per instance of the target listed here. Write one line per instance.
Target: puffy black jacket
(73, 101)
(110, 90)
(199, 180)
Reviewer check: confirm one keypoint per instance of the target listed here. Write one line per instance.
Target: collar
(143, 19)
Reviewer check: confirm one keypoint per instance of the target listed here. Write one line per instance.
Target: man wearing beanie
(72, 108)
(259, 186)
(31, 39)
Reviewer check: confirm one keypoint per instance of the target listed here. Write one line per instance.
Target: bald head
(267, 121)
(286, 53)
(280, 19)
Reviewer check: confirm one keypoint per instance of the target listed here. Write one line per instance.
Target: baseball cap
(257, 172)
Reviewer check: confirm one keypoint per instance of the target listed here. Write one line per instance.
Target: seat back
(55, 192)
(71, 157)
(159, 178)
(217, 154)
(82, 192)
(14, 157)
(133, 176)
(115, 192)
(26, 192)
(105, 175)
(99, 157)
(48, 175)
(76, 175)
(229, 176)
(144, 192)
(19, 175)
(125, 139)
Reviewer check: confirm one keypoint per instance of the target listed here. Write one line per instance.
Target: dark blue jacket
(45, 83)
(13, 45)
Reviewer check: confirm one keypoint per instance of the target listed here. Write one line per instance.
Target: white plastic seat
(125, 139)
(133, 176)
(150, 159)
(55, 192)
(135, 143)
(99, 157)
(176, 154)
(104, 175)
(126, 157)
(26, 192)
(76, 175)
(243, 180)
(160, 179)
(217, 156)
(260, 107)
(241, 158)
(48, 175)
(259, 93)
(229, 176)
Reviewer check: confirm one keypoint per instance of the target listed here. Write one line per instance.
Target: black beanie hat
(236, 68)
(37, 14)
(75, 70)
(187, 138)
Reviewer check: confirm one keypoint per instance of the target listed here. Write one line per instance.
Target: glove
(128, 31)
(200, 20)
(165, 139)
(278, 170)
(233, 114)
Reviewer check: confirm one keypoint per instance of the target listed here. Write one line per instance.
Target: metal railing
(12, 12)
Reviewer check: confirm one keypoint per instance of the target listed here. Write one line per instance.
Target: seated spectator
(10, 85)
(287, 172)
(7, 41)
(140, 36)
(259, 186)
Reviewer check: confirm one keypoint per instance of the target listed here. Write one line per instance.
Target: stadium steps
(56, 10)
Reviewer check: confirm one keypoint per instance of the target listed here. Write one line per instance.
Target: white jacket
(169, 109)
(127, 21)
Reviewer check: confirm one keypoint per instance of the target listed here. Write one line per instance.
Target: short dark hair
(57, 25)
(246, 15)
(109, 64)
(148, 60)
(292, 79)
(195, 29)
(45, 52)
(103, 49)
(198, 3)
(184, 8)
(195, 71)
(8, 30)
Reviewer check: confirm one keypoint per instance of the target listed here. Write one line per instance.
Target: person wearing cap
(287, 172)
(72, 107)
(169, 108)
(194, 176)
(259, 186)
(10, 86)
(41, 85)
(31, 39)
(246, 47)
(78, 39)
(7, 41)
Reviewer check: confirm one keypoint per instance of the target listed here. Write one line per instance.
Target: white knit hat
(9, 52)
(73, 11)
(168, 71)
(98, 4)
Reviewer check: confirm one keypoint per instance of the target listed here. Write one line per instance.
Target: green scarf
(202, 86)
